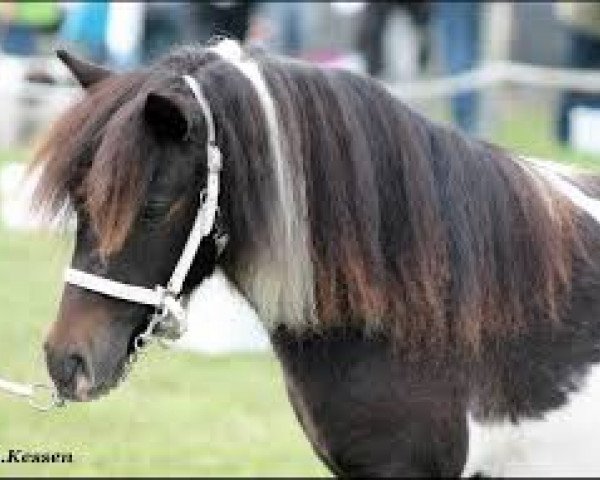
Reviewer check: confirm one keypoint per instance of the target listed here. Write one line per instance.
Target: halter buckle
(169, 320)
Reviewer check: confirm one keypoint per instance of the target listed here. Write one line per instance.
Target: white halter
(169, 319)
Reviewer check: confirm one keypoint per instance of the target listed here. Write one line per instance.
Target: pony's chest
(563, 443)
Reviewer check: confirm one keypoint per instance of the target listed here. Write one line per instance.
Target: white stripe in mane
(551, 172)
(280, 284)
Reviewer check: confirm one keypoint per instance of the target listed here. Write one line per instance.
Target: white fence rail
(498, 73)
(37, 103)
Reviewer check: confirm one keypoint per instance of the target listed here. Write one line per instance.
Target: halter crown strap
(166, 300)
(206, 215)
(210, 126)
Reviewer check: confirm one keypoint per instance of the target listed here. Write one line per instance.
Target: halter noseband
(169, 317)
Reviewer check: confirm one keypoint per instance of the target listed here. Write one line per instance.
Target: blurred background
(523, 75)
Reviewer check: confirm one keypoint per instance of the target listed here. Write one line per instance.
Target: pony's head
(129, 159)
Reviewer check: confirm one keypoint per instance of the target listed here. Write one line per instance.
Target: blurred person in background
(163, 28)
(458, 32)
(84, 29)
(222, 18)
(22, 23)
(375, 19)
(124, 34)
(582, 23)
(281, 27)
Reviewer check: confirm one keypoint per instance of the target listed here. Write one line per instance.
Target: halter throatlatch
(169, 318)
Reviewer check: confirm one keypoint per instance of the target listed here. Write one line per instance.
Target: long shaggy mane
(412, 228)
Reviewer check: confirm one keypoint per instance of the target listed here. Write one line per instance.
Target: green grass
(7, 155)
(178, 414)
(532, 134)
(526, 127)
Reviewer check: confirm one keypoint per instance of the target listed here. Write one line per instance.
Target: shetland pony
(434, 301)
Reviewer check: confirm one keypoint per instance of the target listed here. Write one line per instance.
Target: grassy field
(179, 414)
(532, 133)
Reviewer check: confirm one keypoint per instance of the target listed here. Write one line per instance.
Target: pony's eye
(155, 210)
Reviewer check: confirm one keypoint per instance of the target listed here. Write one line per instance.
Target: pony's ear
(87, 74)
(166, 116)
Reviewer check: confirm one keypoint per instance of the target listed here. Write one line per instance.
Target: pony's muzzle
(71, 374)
(88, 346)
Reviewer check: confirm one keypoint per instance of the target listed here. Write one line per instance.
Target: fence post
(497, 24)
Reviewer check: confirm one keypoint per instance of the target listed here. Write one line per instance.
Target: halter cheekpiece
(169, 317)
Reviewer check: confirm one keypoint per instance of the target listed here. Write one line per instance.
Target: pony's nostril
(70, 374)
(73, 365)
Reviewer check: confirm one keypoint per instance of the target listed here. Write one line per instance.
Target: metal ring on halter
(44, 398)
(142, 339)
(145, 337)
(140, 342)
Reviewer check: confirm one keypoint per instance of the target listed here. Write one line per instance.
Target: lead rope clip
(168, 322)
(44, 398)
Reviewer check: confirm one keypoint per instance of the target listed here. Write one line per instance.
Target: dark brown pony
(414, 282)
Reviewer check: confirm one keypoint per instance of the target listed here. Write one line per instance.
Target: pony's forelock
(92, 158)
